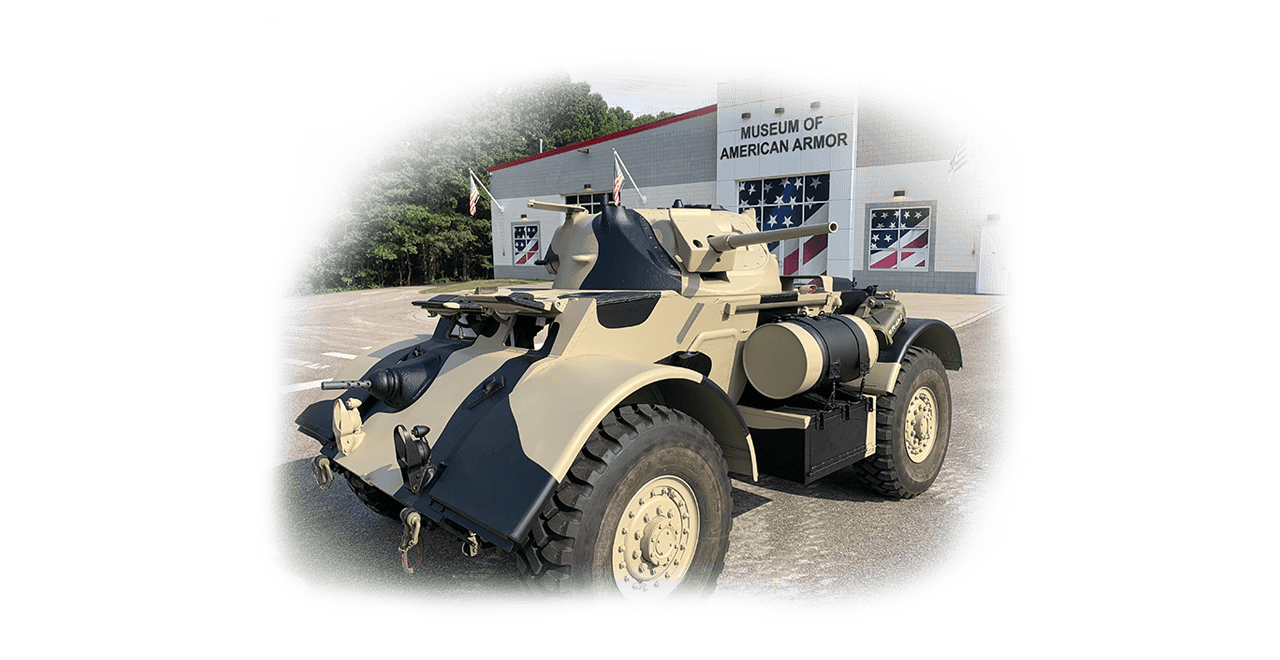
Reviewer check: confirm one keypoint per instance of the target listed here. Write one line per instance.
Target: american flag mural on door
(524, 244)
(786, 202)
(899, 238)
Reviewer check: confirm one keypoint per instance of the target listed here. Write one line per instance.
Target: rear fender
(926, 333)
(932, 334)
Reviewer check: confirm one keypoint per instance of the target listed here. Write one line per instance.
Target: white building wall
(702, 192)
(961, 210)
(997, 195)
(835, 115)
(882, 148)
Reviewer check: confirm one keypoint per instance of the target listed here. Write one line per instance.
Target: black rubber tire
(570, 548)
(890, 472)
(377, 501)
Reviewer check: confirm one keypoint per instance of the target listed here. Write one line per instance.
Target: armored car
(590, 429)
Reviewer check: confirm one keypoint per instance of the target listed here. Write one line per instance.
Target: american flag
(900, 238)
(960, 157)
(525, 242)
(474, 195)
(786, 202)
(617, 181)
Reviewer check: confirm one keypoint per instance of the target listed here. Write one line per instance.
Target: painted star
(778, 200)
(773, 219)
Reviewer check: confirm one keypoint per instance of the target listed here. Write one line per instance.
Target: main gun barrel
(726, 242)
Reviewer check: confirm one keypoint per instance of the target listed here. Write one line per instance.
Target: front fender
(557, 406)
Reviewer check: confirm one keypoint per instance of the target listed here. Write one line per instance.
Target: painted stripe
(814, 247)
(887, 262)
(981, 316)
(792, 263)
(612, 136)
(296, 363)
(298, 387)
(340, 355)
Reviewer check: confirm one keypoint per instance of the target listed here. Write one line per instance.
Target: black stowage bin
(834, 439)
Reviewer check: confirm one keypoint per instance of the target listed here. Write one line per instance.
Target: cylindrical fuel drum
(799, 353)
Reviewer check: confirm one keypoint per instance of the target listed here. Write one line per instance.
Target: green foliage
(408, 221)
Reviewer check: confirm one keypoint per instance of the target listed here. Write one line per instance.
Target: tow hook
(412, 527)
(471, 546)
(323, 472)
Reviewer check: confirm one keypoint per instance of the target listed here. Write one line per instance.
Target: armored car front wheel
(642, 515)
(377, 501)
(913, 426)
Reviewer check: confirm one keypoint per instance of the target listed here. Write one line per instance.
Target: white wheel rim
(921, 425)
(655, 540)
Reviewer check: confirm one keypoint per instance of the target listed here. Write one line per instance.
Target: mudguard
(500, 455)
(559, 405)
(926, 333)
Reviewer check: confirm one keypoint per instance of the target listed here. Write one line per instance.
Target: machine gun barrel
(726, 242)
(346, 385)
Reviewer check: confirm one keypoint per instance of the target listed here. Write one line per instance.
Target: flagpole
(486, 190)
(977, 170)
(631, 178)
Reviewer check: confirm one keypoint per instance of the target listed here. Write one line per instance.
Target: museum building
(904, 187)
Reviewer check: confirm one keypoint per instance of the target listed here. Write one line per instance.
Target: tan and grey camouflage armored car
(591, 428)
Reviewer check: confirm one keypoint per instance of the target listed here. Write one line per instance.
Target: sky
(651, 93)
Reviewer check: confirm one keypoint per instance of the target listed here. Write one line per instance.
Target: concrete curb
(981, 316)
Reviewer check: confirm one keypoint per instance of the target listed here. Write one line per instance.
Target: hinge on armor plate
(413, 455)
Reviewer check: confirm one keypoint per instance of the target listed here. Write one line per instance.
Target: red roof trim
(630, 131)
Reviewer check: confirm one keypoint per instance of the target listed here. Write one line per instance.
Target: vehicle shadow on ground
(745, 501)
(842, 485)
(329, 538)
(339, 555)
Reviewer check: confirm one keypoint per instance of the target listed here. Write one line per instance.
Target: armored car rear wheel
(642, 515)
(913, 426)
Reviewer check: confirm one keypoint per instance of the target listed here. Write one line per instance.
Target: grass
(470, 285)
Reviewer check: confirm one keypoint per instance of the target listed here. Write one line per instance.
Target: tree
(408, 220)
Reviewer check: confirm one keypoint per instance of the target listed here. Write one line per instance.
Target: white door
(993, 276)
